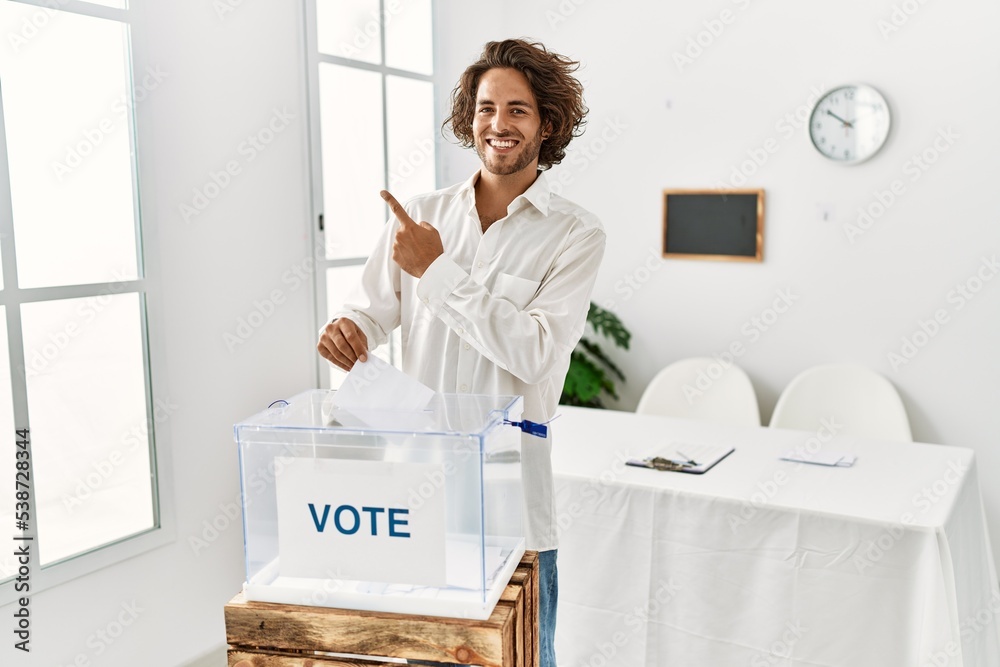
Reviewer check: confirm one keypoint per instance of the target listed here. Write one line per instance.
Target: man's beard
(529, 152)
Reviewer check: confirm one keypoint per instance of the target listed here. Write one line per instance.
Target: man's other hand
(416, 245)
(342, 343)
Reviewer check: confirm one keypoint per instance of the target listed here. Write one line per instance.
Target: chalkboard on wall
(713, 224)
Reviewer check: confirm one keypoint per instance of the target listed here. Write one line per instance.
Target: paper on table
(375, 385)
(821, 458)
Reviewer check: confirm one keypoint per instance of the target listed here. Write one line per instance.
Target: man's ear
(547, 131)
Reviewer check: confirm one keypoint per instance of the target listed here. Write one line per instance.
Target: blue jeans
(548, 599)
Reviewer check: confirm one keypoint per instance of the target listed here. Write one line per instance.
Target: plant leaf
(584, 380)
(598, 353)
(607, 323)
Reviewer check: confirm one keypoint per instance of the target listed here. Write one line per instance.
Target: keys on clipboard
(660, 463)
(694, 459)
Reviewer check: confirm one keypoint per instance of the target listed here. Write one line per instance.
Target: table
(766, 562)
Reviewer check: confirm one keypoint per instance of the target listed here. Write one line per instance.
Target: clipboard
(686, 458)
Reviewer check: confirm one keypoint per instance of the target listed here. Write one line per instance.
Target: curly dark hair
(558, 92)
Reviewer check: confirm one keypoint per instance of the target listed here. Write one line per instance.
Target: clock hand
(846, 123)
(854, 120)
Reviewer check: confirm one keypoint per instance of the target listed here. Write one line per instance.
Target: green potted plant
(592, 374)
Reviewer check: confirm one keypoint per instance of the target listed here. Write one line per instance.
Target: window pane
(349, 29)
(352, 148)
(87, 405)
(408, 40)
(8, 564)
(64, 92)
(410, 106)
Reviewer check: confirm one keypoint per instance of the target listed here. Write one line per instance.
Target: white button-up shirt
(498, 313)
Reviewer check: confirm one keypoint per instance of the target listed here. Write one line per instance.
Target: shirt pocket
(519, 291)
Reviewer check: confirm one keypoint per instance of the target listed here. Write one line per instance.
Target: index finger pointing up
(396, 209)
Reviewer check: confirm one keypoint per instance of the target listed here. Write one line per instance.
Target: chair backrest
(862, 402)
(702, 388)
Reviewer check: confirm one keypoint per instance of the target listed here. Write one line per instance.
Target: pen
(690, 461)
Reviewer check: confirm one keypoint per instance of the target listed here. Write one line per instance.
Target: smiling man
(492, 287)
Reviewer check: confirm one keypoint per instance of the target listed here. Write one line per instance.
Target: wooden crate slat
(246, 658)
(529, 564)
(366, 633)
(263, 634)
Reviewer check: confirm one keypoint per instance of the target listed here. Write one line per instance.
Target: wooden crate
(261, 634)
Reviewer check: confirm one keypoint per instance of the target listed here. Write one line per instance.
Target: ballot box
(407, 511)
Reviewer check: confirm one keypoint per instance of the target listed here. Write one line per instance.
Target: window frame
(313, 60)
(12, 296)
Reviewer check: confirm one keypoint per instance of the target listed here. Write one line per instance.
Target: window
(75, 372)
(373, 127)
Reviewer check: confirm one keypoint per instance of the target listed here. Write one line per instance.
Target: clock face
(850, 123)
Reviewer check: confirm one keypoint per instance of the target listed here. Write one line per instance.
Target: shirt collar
(538, 194)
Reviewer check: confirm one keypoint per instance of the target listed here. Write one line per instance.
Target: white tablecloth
(763, 562)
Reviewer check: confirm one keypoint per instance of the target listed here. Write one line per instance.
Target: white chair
(702, 388)
(860, 400)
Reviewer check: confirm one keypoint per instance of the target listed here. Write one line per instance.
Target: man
(492, 287)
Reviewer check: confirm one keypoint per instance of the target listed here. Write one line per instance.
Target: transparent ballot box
(416, 512)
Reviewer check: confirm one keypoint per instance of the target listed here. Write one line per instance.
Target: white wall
(691, 126)
(225, 76)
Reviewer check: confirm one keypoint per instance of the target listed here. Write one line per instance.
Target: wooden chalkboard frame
(758, 255)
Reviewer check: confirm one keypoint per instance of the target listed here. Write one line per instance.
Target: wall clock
(850, 123)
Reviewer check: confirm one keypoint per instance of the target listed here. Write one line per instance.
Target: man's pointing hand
(416, 245)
